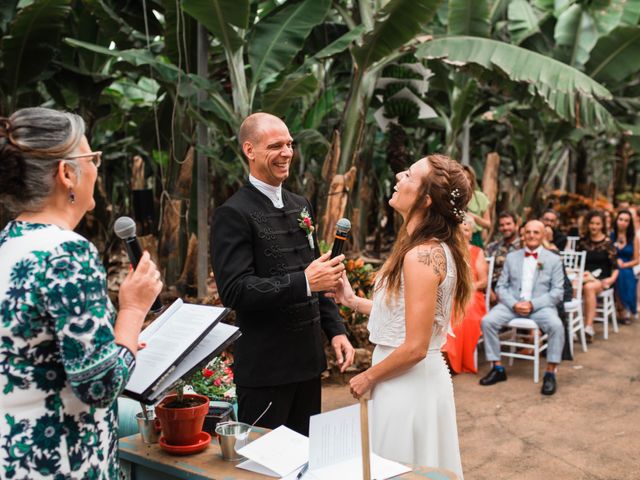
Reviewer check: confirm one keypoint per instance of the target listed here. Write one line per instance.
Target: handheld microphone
(343, 227)
(125, 229)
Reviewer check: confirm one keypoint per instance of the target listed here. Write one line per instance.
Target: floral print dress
(60, 368)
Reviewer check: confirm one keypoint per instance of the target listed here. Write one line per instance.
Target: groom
(531, 286)
(268, 269)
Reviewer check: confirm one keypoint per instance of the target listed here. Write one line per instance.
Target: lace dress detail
(387, 319)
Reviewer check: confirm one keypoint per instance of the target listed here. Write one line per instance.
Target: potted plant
(182, 416)
(215, 381)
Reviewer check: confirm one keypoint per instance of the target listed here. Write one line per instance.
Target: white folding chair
(571, 243)
(606, 310)
(574, 263)
(491, 261)
(516, 338)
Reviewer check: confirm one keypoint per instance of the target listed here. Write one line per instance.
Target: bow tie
(531, 254)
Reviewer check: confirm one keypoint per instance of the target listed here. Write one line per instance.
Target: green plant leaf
(616, 56)
(277, 100)
(564, 89)
(340, 44)
(469, 17)
(219, 17)
(577, 33)
(396, 24)
(523, 21)
(29, 43)
(279, 36)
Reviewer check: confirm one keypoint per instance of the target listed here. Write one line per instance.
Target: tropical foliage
(552, 87)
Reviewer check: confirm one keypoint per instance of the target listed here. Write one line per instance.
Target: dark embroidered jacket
(259, 253)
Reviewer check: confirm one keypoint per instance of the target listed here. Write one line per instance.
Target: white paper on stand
(277, 454)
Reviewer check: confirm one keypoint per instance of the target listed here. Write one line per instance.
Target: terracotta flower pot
(181, 425)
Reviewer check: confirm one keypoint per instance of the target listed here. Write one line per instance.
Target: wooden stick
(364, 439)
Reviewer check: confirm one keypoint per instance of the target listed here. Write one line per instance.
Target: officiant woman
(65, 355)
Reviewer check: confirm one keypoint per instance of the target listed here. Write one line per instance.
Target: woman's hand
(344, 294)
(141, 287)
(361, 384)
(620, 263)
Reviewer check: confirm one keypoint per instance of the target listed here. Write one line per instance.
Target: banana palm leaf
(469, 17)
(571, 94)
(576, 33)
(616, 56)
(29, 42)
(278, 37)
(523, 21)
(278, 100)
(219, 17)
(396, 24)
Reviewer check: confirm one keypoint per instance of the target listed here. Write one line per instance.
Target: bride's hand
(360, 384)
(343, 294)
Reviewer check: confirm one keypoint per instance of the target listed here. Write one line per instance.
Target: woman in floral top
(64, 356)
(601, 268)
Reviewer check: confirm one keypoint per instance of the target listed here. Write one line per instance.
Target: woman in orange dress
(460, 349)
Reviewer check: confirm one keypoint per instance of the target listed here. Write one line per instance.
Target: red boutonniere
(306, 224)
(540, 266)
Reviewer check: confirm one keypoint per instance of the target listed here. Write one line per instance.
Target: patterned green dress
(60, 368)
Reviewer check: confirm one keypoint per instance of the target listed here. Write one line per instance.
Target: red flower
(307, 221)
(217, 382)
(206, 373)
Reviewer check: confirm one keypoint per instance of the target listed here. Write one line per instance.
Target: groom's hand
(345, 353)
(324, 272)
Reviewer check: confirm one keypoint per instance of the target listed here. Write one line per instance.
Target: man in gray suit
(531, 286)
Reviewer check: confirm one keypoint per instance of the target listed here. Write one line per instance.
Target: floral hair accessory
(457, 212)
(306, 224)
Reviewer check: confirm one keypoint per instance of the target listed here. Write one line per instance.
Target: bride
(426, 277)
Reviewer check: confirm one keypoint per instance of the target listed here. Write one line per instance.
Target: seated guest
(531, 286)
(627, 248)
(551, 219)
(510, 242)
(461, 346)
(601, 266)
(478, 208)
(66, 354)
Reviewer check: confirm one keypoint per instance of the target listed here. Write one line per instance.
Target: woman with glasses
(65, 354)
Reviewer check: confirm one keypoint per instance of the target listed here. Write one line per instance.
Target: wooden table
(150, 462)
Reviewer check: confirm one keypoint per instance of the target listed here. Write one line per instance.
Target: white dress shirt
(528, 274)
(272, 193)
(275, 195)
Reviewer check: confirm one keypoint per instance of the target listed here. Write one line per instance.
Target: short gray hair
(32, 142)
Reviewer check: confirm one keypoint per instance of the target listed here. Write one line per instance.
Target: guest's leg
(252, 401)
(550, 323)
(307, 402)
(491, 324)
(589, 292)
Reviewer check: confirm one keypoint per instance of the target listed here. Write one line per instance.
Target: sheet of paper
(257, 468)
(335, 436)
(381, 469)
(281, 451)
(214, 339)
(177, 332)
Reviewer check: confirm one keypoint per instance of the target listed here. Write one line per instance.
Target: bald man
(269, 270)
(531, 286)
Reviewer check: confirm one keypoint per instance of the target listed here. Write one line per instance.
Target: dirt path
(590, 429)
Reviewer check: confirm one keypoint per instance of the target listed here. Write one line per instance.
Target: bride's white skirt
(414, 415)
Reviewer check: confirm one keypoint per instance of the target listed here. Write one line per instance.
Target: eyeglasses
(96, 157)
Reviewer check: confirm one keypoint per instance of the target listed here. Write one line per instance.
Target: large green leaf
(29, 43)
(564, 89)
(278, 99)
(340, 44)
(576, 32)
(396, 24)
(469, 17)
(220, 16)
(279, 36)
(616, 56)
(523, 21)
(630, 12)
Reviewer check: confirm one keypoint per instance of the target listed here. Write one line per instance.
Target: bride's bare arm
(424, 268)
(345, 295)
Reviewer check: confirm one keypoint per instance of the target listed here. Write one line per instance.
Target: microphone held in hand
(343, 227)
(125, 229)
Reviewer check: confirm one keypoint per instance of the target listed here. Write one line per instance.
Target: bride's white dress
(414, 414)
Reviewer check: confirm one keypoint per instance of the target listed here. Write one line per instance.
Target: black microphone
(343, 227)
(125, 229)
